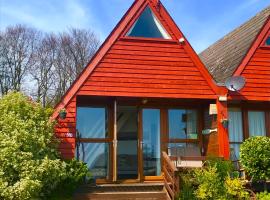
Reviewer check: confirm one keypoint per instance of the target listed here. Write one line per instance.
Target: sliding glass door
(150, 142)
(127, 142)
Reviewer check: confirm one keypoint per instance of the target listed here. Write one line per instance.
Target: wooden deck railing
(171, 178)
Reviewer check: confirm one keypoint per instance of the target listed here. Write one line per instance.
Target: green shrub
(235, 189)
(263, 196)
(212, 182)
(255, 157)
(210, 185)
(187, 185)
(30, 166)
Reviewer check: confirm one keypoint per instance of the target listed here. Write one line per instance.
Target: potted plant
(63, 113)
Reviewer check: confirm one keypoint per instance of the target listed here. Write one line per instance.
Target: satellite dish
(235, 83)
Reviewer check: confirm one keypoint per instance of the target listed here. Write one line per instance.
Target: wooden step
(122, 196)
(139, 191)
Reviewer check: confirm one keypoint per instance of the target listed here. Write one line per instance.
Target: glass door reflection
(151, 142)
(127, 148)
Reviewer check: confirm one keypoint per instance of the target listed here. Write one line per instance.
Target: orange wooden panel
(151, 49)
(147, 94)
(145, 52)
(166, 77)
(145, 43)
(146, 80)
(256, 63)
(89, 85)
(148, 71)
(183, 67)
(151, 58)
(258, 68)
(65, 130)
(193, 90)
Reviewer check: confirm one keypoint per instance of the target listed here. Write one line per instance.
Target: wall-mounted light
(63, 113)
(144, 101)
(182, 40)
(225, 123)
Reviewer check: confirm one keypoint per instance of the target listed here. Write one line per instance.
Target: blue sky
(202, 21)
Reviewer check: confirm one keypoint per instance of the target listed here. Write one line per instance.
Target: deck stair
(138, 191)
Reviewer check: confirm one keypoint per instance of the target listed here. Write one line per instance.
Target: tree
(18, 44)
(44, 69)
(76, 48)
(45, 64)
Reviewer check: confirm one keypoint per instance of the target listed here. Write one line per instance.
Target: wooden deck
(138, 191)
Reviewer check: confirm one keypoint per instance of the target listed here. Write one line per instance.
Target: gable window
(148, 26)
(267, 42)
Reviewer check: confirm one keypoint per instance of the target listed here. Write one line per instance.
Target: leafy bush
(263, 196)
(212, 182)
(187, 184)
(255, 157)
(29, 163)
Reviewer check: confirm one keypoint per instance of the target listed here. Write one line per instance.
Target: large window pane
(183, 124)
(256, 123)
(127, 136)
(151, 142)
(92, 122)
(96, 156)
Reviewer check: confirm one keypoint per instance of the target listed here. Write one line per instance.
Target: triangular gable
(255, 68)
(188, 61)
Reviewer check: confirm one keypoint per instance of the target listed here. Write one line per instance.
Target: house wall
(142, 68)
(65, 131)
(257, 76)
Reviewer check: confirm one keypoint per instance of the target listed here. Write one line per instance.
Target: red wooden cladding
(257, 74)
(138, 67)
(147, 72)
(145, 80)
(144, 94)
(63, 130)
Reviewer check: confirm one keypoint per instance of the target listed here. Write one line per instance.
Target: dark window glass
(151, 142)
(148, 26)
(183, 124)
(127, 136)
(96, 156)
(268, 41)
(92, 122)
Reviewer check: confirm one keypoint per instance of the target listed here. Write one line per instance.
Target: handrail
(171, 178)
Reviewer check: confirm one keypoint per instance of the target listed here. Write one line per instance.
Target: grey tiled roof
(224, 56)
